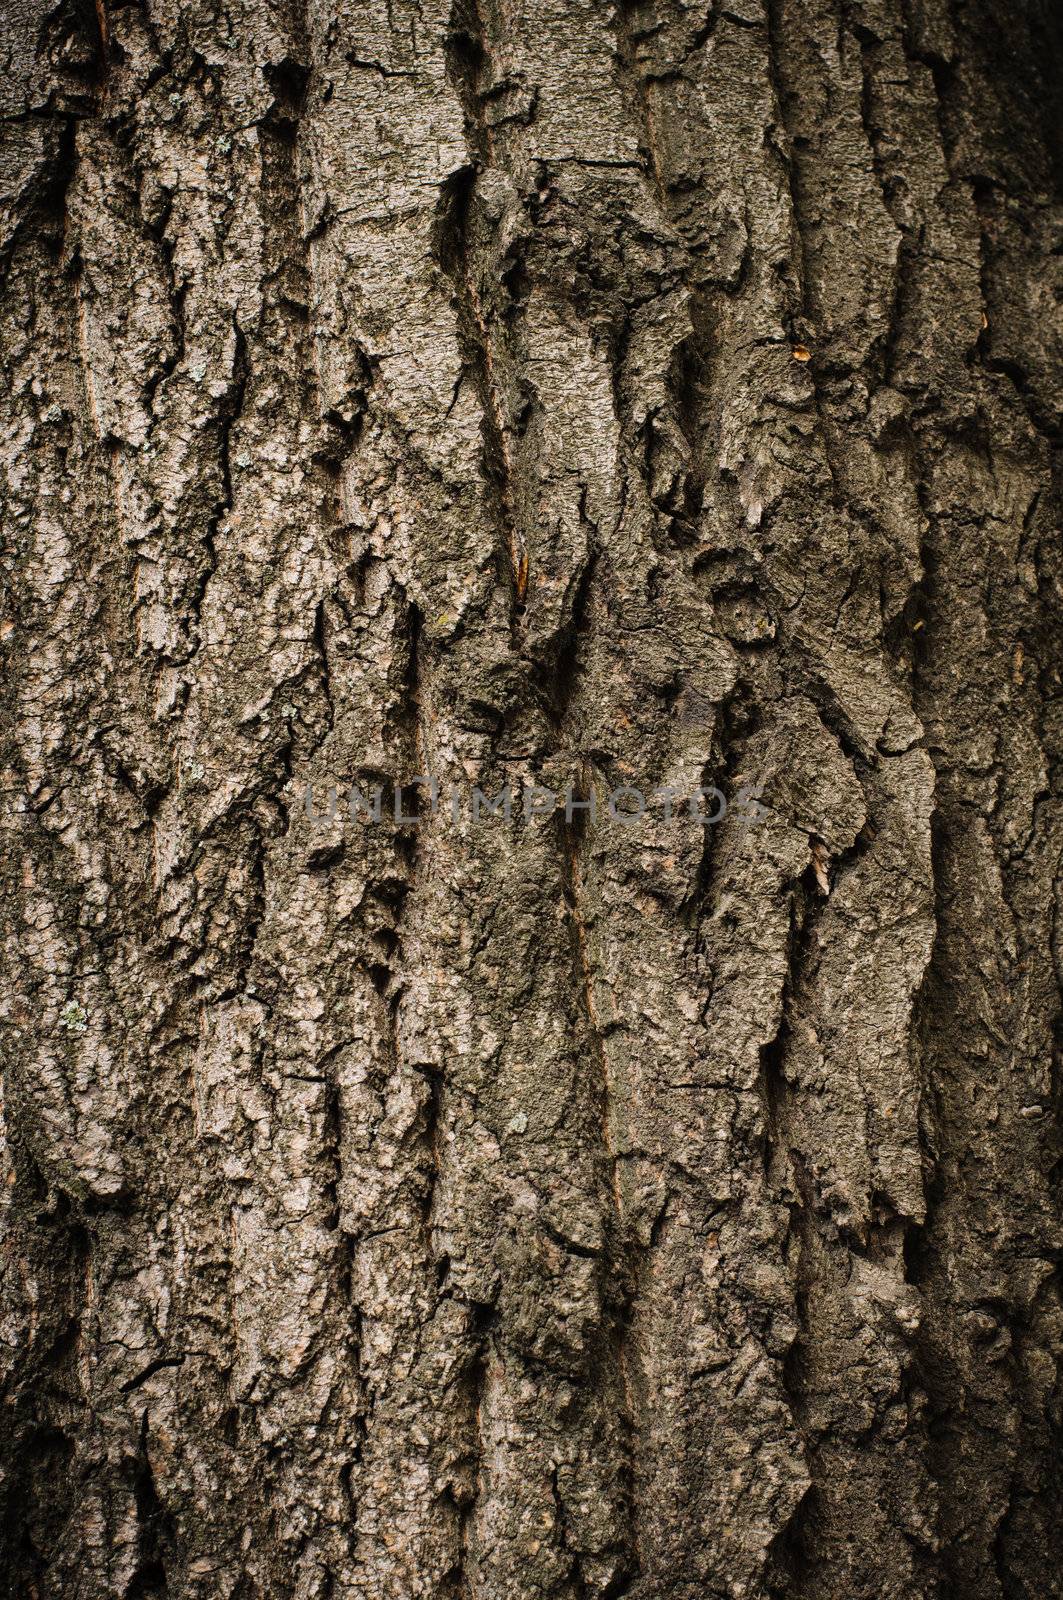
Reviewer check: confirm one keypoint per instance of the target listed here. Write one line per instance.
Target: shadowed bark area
(557, 393)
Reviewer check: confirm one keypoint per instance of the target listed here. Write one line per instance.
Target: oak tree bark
(650, 394)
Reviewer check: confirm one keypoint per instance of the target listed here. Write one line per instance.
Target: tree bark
(656, 395)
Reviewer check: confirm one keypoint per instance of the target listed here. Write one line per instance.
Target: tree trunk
(566, 1204)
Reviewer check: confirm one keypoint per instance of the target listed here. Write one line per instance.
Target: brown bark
(658, 395)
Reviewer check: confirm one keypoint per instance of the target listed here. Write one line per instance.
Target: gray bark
(657, 394)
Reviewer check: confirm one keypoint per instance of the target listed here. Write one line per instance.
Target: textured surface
(531, 391)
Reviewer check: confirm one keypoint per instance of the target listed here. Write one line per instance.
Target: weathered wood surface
(656, 394)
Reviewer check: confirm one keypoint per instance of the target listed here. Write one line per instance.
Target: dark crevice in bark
(558, 680)
(291, 286)
(229, 413)
(869, 45)
(990, 201)
(320, 638)
(409, 729)
(43, 213)
(41, 1384)
(468, 60)
(797, 1553)
(840, 725)
(332, 1139)
(691, 369)
(804, 316)
(289, 79)
(455, 254)
(461, 1576)
(150, 1370)
(627, 41)
(155, 1528)
(891, 186)
(792, 1560)
(774, 1088)
(431, 1115)
(961, 1417)
(738, 718)
(575, 1571)
(623, 1255)
(91, 21)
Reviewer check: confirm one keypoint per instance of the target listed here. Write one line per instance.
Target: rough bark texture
(657, 393)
